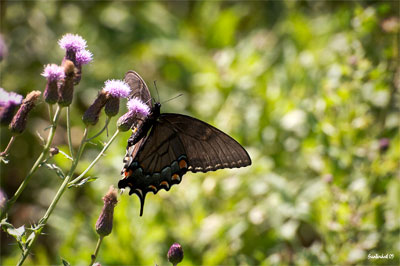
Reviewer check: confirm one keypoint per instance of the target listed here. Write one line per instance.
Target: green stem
(101, 131)
(39, 160)
(96, 251)
(10, 143)
(50, 111)
(81, 176)
(56, 198)
(71, 151)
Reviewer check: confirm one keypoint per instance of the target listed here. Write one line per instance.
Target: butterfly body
(164, 146)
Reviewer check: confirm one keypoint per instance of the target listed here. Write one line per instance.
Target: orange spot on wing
(164, 183)
(175, 177)
(182, 164)
(152, 187)
(128, 173)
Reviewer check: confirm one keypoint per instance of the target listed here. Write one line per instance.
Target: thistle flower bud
(105, 222)
(175, 254)
(137, 109)
(54, 151)
(8, 103)
(112, 106)
(384, 144)
(19, 120)
(66, 89)
(126, 121)
(91, 115)
(116, 89)
(53, 74)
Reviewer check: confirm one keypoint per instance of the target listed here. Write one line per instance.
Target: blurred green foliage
(308, 87)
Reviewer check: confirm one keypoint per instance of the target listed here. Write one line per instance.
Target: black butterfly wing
(177, 144)
(206, 147)
(138, 87)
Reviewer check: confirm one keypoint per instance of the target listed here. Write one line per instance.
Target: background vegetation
(310, 88)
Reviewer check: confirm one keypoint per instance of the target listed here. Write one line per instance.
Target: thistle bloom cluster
(8, 103)
(137, 109)
(75, 51)
(109, 97)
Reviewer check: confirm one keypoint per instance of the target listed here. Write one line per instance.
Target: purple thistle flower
(137, 109)
(53, 72)
(7, 98)
(83, 57)
(8, 103)
(117, 88)
(137, 106)
(72, 42)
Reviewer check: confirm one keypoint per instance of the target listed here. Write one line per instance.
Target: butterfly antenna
(158, 95)
(179, 95)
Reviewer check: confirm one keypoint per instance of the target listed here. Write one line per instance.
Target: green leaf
(65, 263)
(55, 168)
(84, 181)
(17, 233)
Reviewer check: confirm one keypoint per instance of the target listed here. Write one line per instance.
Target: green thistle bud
(18, 123)
(105, 222)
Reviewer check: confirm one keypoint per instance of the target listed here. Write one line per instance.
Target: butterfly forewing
(139, 88)
(207, 147)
